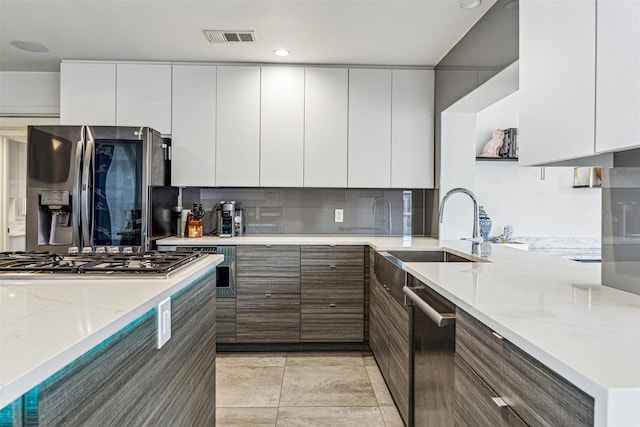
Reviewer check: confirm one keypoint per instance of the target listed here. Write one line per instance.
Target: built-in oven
(225, 271)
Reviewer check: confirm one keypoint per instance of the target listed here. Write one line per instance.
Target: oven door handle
(440, 319)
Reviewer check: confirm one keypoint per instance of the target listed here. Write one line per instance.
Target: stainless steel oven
(225, 271)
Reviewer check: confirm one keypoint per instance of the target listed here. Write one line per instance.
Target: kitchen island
(553, 309)
(77, 351)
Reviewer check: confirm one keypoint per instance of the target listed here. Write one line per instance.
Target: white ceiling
(366, 32)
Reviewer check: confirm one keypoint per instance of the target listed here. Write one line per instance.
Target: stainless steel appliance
(225, 271)
(90, 186)
(226, 215)
(42, 264)
(433, 351)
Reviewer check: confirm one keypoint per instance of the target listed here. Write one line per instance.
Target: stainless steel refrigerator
(90, 186)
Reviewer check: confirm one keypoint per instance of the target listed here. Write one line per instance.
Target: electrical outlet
(339, 215)
(164, 322)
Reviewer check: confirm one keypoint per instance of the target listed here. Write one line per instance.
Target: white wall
(30, 93)
(511, 194)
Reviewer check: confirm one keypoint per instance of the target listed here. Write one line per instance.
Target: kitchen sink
(428, 256)
(388, 266)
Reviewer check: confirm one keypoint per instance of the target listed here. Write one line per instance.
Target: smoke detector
(219, 36)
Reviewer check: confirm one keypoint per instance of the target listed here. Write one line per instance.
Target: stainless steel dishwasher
(433, 349)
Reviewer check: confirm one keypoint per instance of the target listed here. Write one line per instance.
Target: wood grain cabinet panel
(332, 293)
(537, 394)
(389, 340)
(127, 381)
(268, 294)
(226, 320)
(474, 405)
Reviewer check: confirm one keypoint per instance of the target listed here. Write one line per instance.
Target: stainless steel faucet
(476, 229)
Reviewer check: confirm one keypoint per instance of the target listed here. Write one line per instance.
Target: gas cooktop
(142, 263)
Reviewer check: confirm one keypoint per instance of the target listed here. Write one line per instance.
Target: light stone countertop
(553, 308)
(47, 323)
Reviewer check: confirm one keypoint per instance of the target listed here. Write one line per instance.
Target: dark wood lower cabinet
(268, 294)
(389, 341)
(332, 294)
(127, 381)
(534, 392)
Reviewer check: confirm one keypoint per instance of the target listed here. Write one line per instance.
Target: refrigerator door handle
(87, 190)
(75, 200)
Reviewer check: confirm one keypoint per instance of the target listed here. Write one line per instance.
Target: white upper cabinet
(143, 96)
(238, 127)
(412, 117)
(618, 75)
(369, 154)
(557, 80)
(193, 139)
(326, 99)
(282, 127)
(87, 94)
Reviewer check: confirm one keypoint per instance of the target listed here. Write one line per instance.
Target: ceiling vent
(216, 36)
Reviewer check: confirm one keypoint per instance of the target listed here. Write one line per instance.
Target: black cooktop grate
(152, 262)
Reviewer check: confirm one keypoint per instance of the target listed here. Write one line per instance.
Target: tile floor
(302, 389)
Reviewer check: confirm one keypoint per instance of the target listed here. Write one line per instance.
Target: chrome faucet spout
(476, 233)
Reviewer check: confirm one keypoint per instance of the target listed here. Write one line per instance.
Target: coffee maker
(226, 218)
(230, 220)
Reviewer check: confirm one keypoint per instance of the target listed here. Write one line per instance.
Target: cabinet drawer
(332, 255)
(272, 261)
(474, 404)
(264, 286)
(537, 394)
(483, 351)
(542, 397)
(268, 300)
(334, 324)
(268, 325)
(344, 293)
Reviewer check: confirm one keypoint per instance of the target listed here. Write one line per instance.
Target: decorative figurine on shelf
(485, 224)
(492, 148)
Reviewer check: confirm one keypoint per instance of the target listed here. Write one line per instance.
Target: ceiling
(354, 32)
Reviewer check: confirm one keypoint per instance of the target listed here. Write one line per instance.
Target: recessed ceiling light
(469, 4)
(29, 46)
(281, 52)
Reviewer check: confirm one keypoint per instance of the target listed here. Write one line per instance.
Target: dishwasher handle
(440, 319)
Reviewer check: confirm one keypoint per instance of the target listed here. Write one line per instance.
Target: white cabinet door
(143, 96)
(193, 137)
(326, 102)
(238, 127)
(87, 94)
(412, 116)
(557, 80)
(369, 160)
(618, 75)
(282, 127)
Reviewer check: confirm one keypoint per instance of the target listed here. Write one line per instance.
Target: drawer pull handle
(497, 335)
(332, 266)
(267, 295)
(267, 246)
(499, 402)
(332, 305)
